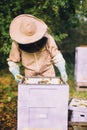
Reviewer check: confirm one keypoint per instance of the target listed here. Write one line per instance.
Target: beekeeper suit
(34, 48)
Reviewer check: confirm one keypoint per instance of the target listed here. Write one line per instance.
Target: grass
(73, 92)
(8, 101)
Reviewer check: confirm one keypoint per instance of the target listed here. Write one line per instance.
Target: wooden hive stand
(77, 126)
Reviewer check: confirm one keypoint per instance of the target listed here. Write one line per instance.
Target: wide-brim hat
(27, 29)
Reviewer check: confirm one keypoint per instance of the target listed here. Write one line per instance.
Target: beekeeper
(34, 48)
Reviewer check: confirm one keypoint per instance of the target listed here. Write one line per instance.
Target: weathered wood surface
(77, 126)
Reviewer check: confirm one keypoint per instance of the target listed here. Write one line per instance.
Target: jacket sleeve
(15, 54)
(54, 51)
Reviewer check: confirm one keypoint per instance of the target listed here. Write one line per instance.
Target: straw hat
(26, 29)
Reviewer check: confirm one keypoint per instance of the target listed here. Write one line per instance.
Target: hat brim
(20, 37)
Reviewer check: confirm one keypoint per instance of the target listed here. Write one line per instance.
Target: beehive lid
(78, 105)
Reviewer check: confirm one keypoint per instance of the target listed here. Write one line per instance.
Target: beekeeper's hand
(18, 77)
(62, 70)
(15, 70)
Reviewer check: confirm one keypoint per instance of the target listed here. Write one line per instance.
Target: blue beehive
(42, 106)
(78, 108)
(81, 68)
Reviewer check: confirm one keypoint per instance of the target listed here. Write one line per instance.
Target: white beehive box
(42, 106)
(79, 110)
(81, 68)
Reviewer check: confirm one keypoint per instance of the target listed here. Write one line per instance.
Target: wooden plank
(81, 88)
(77, 126)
